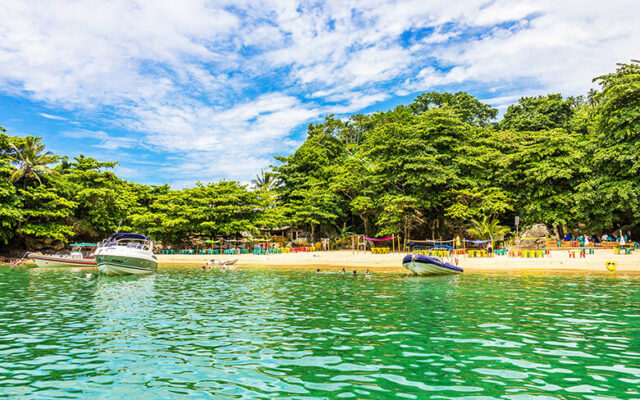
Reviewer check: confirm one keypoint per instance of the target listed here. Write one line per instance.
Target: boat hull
(125, 265)
(43, 261)
(424, 266)
(223, 262)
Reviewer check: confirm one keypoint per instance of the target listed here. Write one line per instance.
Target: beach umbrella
(212, 242)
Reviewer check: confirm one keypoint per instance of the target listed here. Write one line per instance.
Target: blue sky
(181, 91)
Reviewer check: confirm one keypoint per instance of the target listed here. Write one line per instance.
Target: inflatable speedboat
(424, 265)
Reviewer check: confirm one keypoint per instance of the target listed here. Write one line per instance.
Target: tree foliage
(487, 229)
(30, 159)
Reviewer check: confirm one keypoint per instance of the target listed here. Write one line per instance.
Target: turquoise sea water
(185, 333)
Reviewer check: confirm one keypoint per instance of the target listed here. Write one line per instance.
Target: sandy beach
(558, 261)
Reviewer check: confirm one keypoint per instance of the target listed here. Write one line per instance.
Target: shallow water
(186, 333)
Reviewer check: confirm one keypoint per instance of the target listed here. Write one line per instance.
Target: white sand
(558, 261)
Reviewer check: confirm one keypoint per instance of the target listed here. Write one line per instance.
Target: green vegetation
(439, 166)
(487, 229)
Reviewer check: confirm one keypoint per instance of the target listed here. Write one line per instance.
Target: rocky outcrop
(536, 231)
(534, 237)
(43, 244)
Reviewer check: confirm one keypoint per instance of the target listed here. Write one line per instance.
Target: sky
(193, 90)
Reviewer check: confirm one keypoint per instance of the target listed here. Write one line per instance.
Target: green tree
(315, 205)
(487, 229)
(466, 107)
(433, 168)
(542, 171)
(45, 204)
(305, 177)
(47, 215)
(31, 160)
(263, 181)
(10, 206)
(103, 199)
(539, 113)
(611, 198)
(222, 208)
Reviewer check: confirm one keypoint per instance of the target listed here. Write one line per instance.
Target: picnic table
(588, 250)
(623, 250)
(380, 250)
(477, 253)
(574, 253)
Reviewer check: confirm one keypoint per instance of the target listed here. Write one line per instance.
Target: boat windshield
(82, 250)
(132, 243)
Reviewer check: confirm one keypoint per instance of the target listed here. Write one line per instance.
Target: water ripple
(292, 334)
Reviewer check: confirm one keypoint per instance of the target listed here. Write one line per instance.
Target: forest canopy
(421, 170)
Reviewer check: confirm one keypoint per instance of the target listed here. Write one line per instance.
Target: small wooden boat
(81, 256)
(424, 265)
(223, 262)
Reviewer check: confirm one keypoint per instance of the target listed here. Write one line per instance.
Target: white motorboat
(81, 256)
(126, 253)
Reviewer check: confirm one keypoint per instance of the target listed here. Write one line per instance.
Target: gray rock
(534, 237)
(536, 231)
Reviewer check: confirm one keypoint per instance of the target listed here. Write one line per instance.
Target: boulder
(536, 231)
(534, 237)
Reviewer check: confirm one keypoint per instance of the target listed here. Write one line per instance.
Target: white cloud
(54, 117)
(105, 141)
(561, 48)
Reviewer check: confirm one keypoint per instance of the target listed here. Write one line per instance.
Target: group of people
(622, 239)
(208, 267)
(344, 271)
(585, 240)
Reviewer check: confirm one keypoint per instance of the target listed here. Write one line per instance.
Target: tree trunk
(365, 220)
(313, 227)
(433, 230)
(404, 249)
(560, 231)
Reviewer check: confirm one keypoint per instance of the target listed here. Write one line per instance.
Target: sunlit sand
(557, 261)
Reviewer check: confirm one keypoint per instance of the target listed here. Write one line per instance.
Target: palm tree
(263, 181)
(31, 161)
(342, 234)
(487, 229)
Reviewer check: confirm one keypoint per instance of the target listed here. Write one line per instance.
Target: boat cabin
(83, 250)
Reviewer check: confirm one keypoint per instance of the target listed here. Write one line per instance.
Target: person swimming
(355, 272)
(342, 271)
(318, 271)
(366, 272)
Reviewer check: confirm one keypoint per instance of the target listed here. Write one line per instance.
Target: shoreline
(559, 260)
